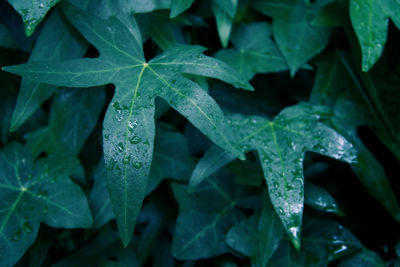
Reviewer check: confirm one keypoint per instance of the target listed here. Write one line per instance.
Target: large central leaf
(129, 123)
(281, 145)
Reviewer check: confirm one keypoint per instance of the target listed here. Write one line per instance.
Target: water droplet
(137, 164)
(126, 159)
(41, 5)
(121, 147)
(135, 140)
(26, 228)
(116, 106)
(280, 211)
(16, 236)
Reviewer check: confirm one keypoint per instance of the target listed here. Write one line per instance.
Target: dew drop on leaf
(135, 140)
(137, 165)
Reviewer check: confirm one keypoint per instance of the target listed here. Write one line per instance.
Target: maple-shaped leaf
(34, 192)
(296, 37)
(32, 12)
(370, 21)
(129, 129)
(281, 145)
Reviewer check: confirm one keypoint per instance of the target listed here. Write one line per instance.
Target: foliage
(187, 133)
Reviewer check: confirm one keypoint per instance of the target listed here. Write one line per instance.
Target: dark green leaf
(32, 12)
(129, 122)
(281, 145)
(298, 40)
(66, 45)
(318, 198)
(72, 118)
(205, 217)
(365, 258)
(261, 55)
(370, 22)
(33, 193)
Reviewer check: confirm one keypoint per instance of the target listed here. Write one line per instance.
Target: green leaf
(171, 158)
(104, 250)
(129, 123)
(32, 193)
(204, 217)
(286, 255)
(32, 12)
(72, 118)
(257, 237)
(179, 6)
(261, 55)
(224, 23)
(99, 198)
(297, 39)
(365, 258)
(6, 40)
(319, 199)
(176, 165)
(281, 145)
(66, 45)
(370, 22)
(348, 117)
(325, 241)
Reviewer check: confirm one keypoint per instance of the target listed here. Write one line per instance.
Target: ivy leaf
(298, 40)
(32, 12)
(319, 199)
(73, 116)
(171, 160)
(104, 250)
(325, 241)
(365, 258)
(129, 123)
(281, 145)
(224, 12)
(179, 6)
(205, 216)
(34, 193)
(370, 22)
(257, 237)
(67, 44)
(261, 55)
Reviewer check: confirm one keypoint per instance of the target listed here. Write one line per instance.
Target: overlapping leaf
(281, 145)
(32, 193)
(370, 19)
(72, 118)
(349, 115)
(297, 39)
(260, 55)
(205, 216)
(129, 122)
(32, 11)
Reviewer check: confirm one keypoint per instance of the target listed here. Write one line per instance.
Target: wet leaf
(32, 193)
(129, 123)
(281, 145)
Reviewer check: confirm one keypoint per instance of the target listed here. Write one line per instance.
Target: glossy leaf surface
(32, 193)
(131, 113)
(281, 145)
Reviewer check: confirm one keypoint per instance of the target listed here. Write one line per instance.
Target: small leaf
(205, 217)
(179, 6)
(365, 258)
(73, 116)
(318, 198)
(32, 12)
(297, 39)
(261, 55)
(370, 22)
(58, 34)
